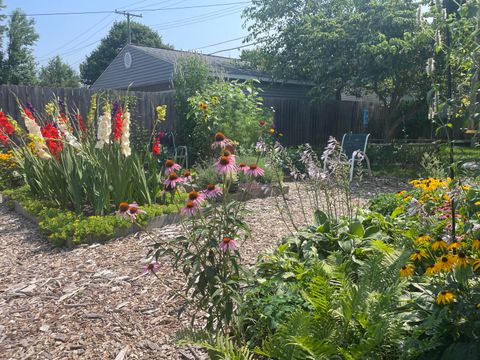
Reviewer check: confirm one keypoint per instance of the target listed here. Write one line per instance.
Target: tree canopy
(352, 46)
(110, 46)
(58, 74)
(19, 66)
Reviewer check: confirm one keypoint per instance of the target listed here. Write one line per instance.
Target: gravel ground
(92, 302)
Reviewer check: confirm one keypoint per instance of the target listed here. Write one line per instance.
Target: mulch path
(92, 302)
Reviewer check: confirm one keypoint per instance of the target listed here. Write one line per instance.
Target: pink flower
(243, 166)
(212, 191)
(254, 171)
(226, 164)
(228, 244)
(187, 176)
(220, 141)
(133, 210)
(190, 208)
(172, 181)
(196, 197)
(151, 268)
(171, 166)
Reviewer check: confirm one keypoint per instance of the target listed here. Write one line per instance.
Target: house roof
(150, 66)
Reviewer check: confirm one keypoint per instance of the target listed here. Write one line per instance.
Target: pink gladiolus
(228, 244)
(212, 191)
(254, 171)
(171, 166)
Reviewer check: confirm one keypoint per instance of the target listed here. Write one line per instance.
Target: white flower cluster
(104, 127)
(125, 139)
(36, 135)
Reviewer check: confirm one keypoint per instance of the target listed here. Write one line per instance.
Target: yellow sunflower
(445, 297)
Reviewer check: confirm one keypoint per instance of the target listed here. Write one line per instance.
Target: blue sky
(75, 36)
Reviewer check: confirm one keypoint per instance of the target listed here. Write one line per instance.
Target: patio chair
(351, 144)
(179, 153)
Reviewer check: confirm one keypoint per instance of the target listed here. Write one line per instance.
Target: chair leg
(351, 169)
(368, 165)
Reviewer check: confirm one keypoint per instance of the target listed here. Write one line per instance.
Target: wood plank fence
(299, 119)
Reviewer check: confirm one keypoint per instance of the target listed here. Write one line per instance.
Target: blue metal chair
(179, 153)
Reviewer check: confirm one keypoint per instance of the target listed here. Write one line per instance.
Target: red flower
(117, 124)
(81, 124)
(28, 113)
(3, 137)
(156, 146)
(52, 139)
(262, 123)
(6, 128)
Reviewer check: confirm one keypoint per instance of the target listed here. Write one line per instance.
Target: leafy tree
(58, 74)
(2, 31)
(19, 67)
(353, 46)
(110, 46)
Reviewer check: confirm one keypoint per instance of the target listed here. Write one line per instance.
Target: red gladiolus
(5, 124)
(156, 146)
(3, 137)
(117, 124)
(81, 124)
(52, 139)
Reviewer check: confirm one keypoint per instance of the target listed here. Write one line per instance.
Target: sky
(73, 37)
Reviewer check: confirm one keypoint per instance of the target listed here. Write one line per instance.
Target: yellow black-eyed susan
(445, 297)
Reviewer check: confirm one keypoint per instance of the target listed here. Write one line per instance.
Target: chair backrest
(168, 140)
(353, 142)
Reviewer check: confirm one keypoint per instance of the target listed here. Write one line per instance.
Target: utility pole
(127, 14)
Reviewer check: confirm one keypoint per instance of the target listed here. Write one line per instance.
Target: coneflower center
(210, 187)
(124, 206)
(227, 239)
(169, 163)
(224, 160)
(173, 176)
(253, 167)
(242, 164)
(187, 174)
(190, 204)
(219, 137)
(133, 209)
(193, 195)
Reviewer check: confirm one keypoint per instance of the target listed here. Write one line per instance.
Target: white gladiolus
(36, 135)
(104, 128)
(430, 66)
(438, 38)
(125, 139)
(69, 137)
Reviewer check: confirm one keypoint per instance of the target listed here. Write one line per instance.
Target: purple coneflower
(171, 166)
(133, 210)
(254, 170)
(212, 191)
(243, 166)
(187, 176)
(151, 268)
(226, 164)
(196, 197)
(228, 243)
(190, 208)
(220, 141)
(172, 180)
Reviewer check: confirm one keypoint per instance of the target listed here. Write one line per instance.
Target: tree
(110, 46)
(19, 67)
(58, 74)
(352, 46)
(2, 31)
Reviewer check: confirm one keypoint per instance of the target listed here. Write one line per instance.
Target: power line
(219, 43)
(234, 48)
(112, 11)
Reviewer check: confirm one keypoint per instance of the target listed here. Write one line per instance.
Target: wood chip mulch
(92, 302)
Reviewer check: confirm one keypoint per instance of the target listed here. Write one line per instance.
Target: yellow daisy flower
(431, 270)
(444, 263)
(406, 270)
(439, 244)
(422, 239)
(461, 259)
(455, 245)
(418, 255)
(445, 297)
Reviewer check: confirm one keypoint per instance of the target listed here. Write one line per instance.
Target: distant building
(151, 69)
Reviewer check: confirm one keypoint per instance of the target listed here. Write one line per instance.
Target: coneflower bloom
(190, 208)
(225, 165)
(228, 244)
(445, 297)
(133, 211)
(406, 271)
(151, 268)
(171, 166)
(196, 197)
(220, 141)
(243, 166)
(212, 191)
(254, 170)
(123, 207)
(187, 176)
(172, 180)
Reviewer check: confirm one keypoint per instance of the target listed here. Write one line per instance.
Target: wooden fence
(299, 119)
(142, 109)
